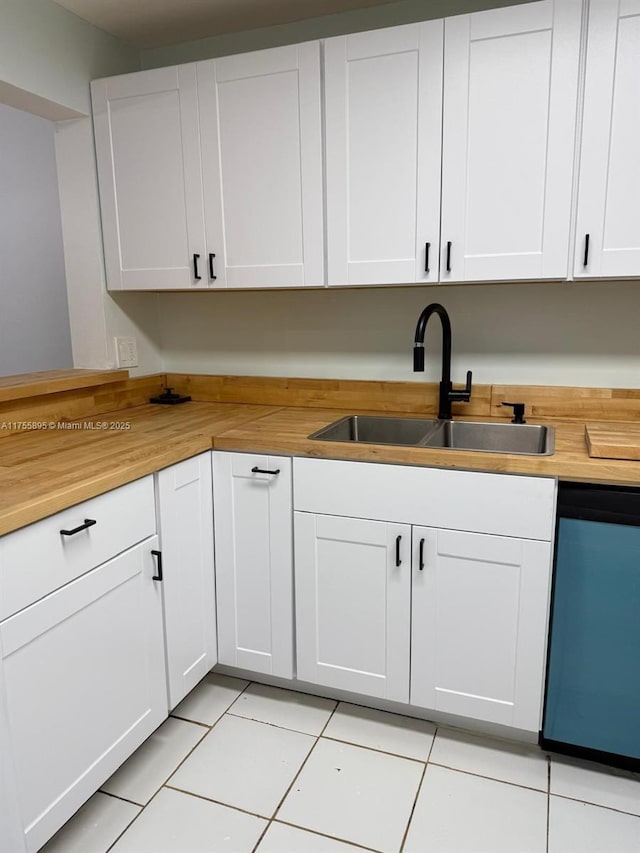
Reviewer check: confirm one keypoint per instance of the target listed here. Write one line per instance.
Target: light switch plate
(126, 352)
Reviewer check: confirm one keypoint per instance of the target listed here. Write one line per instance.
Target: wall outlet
(126, 352)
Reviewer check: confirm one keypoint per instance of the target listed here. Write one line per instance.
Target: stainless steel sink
(520, 439)
(370, 429)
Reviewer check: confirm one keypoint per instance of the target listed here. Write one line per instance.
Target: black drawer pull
(196, 274)
(256, 470)
(585, 262)
(449, 256)
(158, 556)
(212, 274)
(88, 522)
(427, 246)
(398, 560)
(421, 557)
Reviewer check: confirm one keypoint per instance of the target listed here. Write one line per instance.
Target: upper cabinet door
(262, 164)
(510, 96)
(383, 93)
(609, 185)
(147, 147)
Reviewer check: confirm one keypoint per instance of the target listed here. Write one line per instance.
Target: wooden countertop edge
(460, 460)
(46, 383)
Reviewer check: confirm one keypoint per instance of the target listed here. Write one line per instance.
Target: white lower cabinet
(479, 625)
(353, 581)
(185, 516)
(254, 570)
(450, 620)
(83, 684)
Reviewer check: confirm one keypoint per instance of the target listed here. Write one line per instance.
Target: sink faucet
(447, 392)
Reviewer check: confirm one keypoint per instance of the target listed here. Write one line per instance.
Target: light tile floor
(242, 767)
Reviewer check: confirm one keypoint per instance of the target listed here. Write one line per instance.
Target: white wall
(48, 52)
(548, 334)
(34, 319)
(96, 316)
(48, 58)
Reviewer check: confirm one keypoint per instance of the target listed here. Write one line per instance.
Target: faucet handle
(463, 395)
(518, 412)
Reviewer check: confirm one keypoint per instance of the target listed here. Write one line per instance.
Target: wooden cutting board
(613, 441)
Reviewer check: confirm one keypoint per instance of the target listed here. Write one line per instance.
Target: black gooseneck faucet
(447, 393)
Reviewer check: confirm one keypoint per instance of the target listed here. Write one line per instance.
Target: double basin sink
(521, 439)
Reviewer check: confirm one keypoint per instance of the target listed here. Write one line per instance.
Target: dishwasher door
(592, 703)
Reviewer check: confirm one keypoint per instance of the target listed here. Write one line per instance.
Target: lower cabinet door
(185, 510)
(254, 571)
(353, 589)
(84, 686)
(479, 625)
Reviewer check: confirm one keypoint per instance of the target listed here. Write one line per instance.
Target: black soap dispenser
(168, 398)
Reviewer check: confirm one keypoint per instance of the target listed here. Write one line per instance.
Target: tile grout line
(324, 835)
(595, 805)
(273, 725)
(293, 781)
(212, 800)
(130, 824)
(187, 720)
(115, 797)
(489, 778)
(415, 799)
(374, 749)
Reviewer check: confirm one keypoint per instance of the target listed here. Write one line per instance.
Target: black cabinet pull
(256, 470)
(398, 560)
(88, 522)
(158, 556)
(427, 246)
(585, 262)
(421, 556)
(212, 274)
(449, 256)
(196, 275)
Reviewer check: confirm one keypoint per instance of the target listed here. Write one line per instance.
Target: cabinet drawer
(38, 559)
(502, 504)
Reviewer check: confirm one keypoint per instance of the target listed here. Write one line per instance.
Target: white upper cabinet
(383, 92)
(211, 175)
(608, 224)
(510, 98)
(447, 154)
(147, 148)
(262, 163)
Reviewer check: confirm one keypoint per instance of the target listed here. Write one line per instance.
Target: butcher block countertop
(49, 469)
(60, 463)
